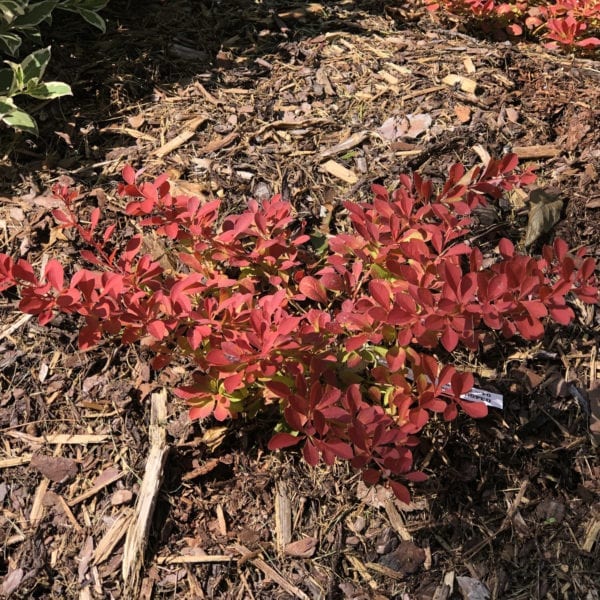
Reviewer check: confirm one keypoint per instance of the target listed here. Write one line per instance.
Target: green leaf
(19, 119)
(6, 82)
(10, 42)
(93, 19)
(10, 10)
(49, 90)
(18, 78)
(6, 105)
(36, 14)
(35, 64)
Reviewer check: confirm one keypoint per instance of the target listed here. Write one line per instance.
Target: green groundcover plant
(341, 334)
(19, 20)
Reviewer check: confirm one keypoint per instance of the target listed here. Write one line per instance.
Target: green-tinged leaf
(19, 119)
(6, 105)
(6, 82)
(18, 78)
(36, 14)
(10, 10)
(10, 43)
(49, 90)
(34, 65)
(544, 214)
(93, 19)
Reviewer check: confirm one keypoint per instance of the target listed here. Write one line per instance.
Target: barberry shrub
(569, 25)
(342, 340)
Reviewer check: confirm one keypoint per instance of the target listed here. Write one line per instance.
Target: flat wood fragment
(469, 65)
(386, 571)
(544, 151)
(283, 516)
(194, 559)
(219, 143)
(108, 477)
(14, 326)
(137, 534)
(58, 438)
(362, 570)
(351, 142)
(274, 575)
(466, 84)
(14, 461)
(37, 508)
(592, 531)
(112, 537)
(188, 133)
(396, 520)
(340, 171)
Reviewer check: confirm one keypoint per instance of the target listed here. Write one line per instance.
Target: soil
(272, 97)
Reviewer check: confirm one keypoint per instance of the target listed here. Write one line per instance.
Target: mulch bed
(317, 101)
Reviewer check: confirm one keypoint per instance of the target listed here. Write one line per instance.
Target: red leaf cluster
(330, 337)
(565, 24)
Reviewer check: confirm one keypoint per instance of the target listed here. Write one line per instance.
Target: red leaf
(416, 476)
(54, 274)
(157, 329)
(129, 175)
(312, 288)
(310, 453)
(371, 476)
(506, 248)
(462, 383)
(400, 491)
(476, 410)
(283, 440)
(380, 291)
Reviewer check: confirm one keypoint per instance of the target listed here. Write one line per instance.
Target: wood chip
(592, 531)
(193, 559)
(106, 478)
(396, 520)
(59, 438)
(37, 508)
(112, 537)
(283, 515)
(14, 461)
(189, 130)
(351, 142)
(469, 66)
(270, 572)
(137, 535)
(219, 143)
(464, 83)
(463, 113)
(547, 151)
(340, 171)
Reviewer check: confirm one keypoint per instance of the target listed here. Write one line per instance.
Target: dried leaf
(472, 589)
(544, 214)
(55, 468)
(303, 548)
(463, 113)
(409, 126)
(12, 581)
(407, 558)
(594, 398)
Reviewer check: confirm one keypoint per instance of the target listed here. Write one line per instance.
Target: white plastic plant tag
(476, 395)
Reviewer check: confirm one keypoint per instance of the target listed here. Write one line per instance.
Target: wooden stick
(137, 535)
